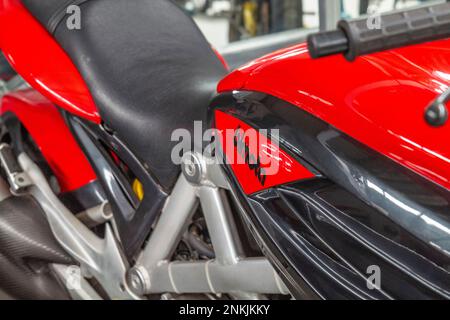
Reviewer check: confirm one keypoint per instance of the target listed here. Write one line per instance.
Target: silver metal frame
(81, 290)
(201, 183)
(230, 271)
(15, 83)
(99, 258)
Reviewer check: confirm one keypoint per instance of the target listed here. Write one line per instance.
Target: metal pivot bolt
(192, 167)
(14, 173)
(138, 280)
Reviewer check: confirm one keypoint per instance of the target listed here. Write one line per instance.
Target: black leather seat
(147, 65)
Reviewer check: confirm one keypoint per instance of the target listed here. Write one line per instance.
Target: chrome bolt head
(192, 168)
(136, 281)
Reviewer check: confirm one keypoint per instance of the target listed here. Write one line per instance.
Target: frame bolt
(192, 168)
(136, 280)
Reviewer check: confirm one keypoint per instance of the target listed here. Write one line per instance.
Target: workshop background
(245, 29)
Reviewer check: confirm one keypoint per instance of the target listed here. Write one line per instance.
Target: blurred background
(245, 29)
(225, 21)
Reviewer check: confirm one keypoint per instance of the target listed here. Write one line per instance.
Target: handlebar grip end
(327, 43)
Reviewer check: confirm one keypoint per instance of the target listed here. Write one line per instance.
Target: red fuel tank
(379, 100)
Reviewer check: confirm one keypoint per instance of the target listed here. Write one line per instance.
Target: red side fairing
(273, 166)
(54, 139)
(38, 58)
(379, 99)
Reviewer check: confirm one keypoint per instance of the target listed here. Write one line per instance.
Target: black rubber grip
(396, 29)
(327, 43)
(389, 31)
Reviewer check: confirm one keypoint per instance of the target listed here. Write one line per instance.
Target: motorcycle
(317, 172)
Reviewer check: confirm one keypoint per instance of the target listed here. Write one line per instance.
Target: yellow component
(250, 9)
(138, 189)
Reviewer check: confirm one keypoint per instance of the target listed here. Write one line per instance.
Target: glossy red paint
(39, 59)
(54, 139)
(378, 99)
(273, 167)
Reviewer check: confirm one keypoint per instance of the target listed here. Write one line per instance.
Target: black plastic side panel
(312, 260)
(86, 197)
(332, 240)
(134, 219)
(367, 210)
(416, 204)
